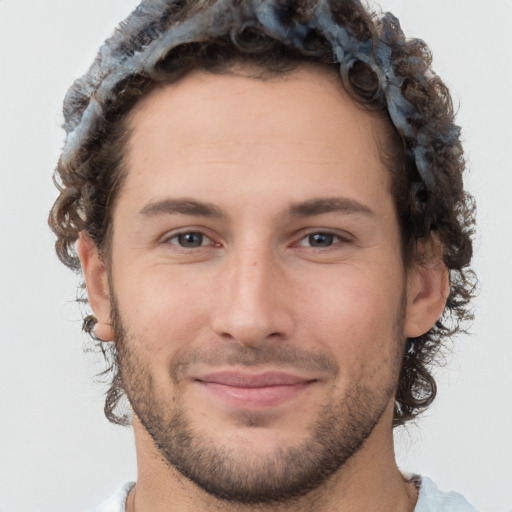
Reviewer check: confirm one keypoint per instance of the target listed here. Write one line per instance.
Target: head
(350, 62)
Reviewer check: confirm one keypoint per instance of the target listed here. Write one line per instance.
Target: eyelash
(190, 233)
(336, 239)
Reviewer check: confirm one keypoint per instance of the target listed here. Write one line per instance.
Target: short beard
(340, 429)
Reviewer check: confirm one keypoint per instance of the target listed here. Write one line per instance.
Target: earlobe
(96, 281)
(428, 286)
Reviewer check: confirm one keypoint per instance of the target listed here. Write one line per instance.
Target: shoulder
(431, 499)
(117, 502)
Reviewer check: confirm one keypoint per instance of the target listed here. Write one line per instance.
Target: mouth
(254, 391)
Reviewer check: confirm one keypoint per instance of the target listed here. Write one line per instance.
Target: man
(266, 202)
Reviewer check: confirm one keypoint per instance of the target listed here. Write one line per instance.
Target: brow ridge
(311, 207)
(321, 205)
(183, 206)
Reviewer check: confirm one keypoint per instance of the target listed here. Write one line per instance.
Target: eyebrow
(329, 205)
(310, 208)
(181, 206)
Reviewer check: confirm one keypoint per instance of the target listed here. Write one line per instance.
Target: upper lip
(260, 380)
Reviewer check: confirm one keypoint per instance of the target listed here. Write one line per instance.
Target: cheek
(163, 311)
(356, 317)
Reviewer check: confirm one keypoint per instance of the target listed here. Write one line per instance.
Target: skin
(257, 283)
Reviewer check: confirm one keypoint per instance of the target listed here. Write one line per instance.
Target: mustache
(285, 357)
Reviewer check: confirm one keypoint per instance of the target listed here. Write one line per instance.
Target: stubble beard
(238, 476)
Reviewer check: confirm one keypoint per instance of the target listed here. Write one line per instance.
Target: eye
(190, 240)
(320, 240)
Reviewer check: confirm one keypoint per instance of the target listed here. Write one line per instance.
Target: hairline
(381, 130)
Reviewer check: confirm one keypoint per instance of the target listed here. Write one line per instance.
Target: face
(256, 285)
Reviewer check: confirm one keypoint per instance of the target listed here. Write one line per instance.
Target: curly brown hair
(424, 155)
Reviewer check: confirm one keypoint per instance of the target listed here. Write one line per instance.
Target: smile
(254, 391)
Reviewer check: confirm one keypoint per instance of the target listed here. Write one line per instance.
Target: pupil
(321, 239)
(190, 239)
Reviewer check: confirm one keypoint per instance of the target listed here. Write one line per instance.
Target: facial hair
(339, 430)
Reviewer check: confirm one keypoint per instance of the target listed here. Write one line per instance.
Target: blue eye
(321, 239)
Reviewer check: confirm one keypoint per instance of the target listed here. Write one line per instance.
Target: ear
(428, 286)
(96, 281)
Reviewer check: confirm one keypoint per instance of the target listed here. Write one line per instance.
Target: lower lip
(268, 396)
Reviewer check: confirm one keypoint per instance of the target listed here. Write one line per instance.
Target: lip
(245, 390)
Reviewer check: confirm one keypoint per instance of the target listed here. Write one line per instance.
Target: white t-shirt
(430, 499)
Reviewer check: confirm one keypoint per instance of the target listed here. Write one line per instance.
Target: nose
(253, 301)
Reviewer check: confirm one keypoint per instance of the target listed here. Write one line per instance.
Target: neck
(369, 480)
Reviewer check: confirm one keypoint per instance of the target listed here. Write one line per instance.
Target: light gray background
(57, 452)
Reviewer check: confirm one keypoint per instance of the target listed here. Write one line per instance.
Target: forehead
(298, 128)
(206, 105)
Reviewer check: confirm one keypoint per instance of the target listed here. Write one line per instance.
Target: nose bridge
(252, 306)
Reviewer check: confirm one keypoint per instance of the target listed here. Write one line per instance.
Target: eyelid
(170, 235)
(342, 235)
